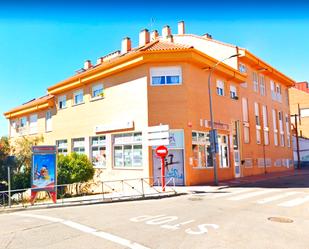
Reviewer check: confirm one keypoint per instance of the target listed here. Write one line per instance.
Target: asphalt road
(227, 218)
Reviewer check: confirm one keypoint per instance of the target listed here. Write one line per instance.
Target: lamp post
(213, 132)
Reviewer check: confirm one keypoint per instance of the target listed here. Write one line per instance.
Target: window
(257, 123)
(242, 68)
(23, 126)
(288, 127)
(245, 118)
(262, 85)
(201, 149)
(62, 146)
(265, 125)
(304, 112)
(97, 91)
(166, 76)
(33, 126)
(233, 92)
(275, 127)
(220, 87)
(128, 150)
(98, 151)
(48, 121)
(13, 127)
(62, 102)
(78, 97)
(78, 145)
(280, 115)
(272, 90)
(255, 81)
(278, 93)
(223, 151)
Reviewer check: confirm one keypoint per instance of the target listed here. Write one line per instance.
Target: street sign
(158, 135)
(214, 140)
(161, 151)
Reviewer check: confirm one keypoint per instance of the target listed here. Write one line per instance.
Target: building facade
(105, 110)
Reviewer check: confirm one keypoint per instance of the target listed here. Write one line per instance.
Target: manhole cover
(280, 219)
(195, 199)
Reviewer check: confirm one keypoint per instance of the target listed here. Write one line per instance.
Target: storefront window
(62, 146)
(223, 151)
(78, 145)
(128, 150)
(201, 149)
(98, 151)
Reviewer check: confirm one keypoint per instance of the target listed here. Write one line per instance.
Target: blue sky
(42, 44)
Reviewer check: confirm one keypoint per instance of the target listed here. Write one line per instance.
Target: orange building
(105, 110)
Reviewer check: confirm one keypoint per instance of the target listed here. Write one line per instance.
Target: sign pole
(163, 173)
(162, 151)
(9, 183)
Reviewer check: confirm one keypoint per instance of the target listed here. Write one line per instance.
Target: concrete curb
(87, 203)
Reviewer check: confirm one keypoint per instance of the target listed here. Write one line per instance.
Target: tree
(74, 168)
(22, 149)
(4, 153)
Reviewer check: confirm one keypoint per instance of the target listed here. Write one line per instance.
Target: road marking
(90, 230)
(294, 202)
(231, 193)
(249, 195)
(276, 197)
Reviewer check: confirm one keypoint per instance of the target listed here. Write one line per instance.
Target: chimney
(166, 31)
(181, 28)
(154, 35)
(170, 38)
(99, 60)
(87, 64)
(144, 37)
(125, 45)
(209, 36)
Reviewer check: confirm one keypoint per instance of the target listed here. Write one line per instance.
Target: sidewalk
(263, 177)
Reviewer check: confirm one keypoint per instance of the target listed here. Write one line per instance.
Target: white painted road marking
(276, 197)
(86, 229)
(294, 202)
(249, 195)
(218, 195)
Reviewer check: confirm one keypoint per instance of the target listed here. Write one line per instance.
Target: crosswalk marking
(249, 195)
(276, 197)
(231, 193)
(294, 202)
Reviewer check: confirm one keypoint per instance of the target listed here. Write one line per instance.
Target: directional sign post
(162, 151)
(158, 135)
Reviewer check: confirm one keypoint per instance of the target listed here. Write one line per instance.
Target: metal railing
(103, 191)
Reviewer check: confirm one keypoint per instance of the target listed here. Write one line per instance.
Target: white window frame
(62, 146)
(245, 116)
(132, 139)
(224, 144)
(265, 125)
(33, 124)
(80, 144)
(97, 87)
(233, 92)
(255, 82)
(48, 121)
(164, 73)
(202, 140)
(98, 161)
(77, 93)
(275, 127)
(257, 122)
(220, 88)
(281, 129)
(242, 68)
(62, 102)
(262, 85)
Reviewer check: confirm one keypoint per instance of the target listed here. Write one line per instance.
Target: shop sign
(121, 125)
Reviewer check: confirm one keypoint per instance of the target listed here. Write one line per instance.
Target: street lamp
(213, 132)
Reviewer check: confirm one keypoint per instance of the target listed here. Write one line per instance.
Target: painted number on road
(162, 220)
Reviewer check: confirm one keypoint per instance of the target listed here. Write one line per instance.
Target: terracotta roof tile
(164, 45)
(32, 103)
